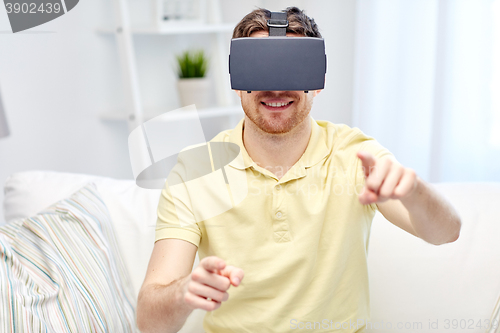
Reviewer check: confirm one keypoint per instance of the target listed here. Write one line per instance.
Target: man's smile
(276, 104)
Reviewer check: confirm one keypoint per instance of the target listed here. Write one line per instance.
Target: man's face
(263, 107)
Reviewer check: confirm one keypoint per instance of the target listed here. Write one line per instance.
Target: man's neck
(276, 152)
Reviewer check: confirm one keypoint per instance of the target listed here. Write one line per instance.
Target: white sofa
(413, 284)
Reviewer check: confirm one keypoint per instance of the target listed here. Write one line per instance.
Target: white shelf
(202, 113)
(177, 29)
(124, 34)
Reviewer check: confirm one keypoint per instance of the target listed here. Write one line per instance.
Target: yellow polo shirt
(301, 240)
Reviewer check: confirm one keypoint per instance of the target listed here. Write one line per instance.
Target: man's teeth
(277, 104)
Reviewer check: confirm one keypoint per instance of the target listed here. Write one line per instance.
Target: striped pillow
(60, 271)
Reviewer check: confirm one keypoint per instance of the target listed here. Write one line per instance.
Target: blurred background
(421, 76)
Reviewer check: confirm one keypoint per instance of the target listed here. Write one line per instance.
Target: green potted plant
(193, 85)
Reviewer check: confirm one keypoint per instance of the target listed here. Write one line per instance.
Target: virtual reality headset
(277, 62)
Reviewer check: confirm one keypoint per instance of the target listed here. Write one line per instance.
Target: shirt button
(278, 187)
(278, 214)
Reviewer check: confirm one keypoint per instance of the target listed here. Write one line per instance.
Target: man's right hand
(206, 287)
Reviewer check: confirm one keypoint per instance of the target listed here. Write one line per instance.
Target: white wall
(57, 78)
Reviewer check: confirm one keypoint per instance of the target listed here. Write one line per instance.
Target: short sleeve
(372, 146)
(175, 218)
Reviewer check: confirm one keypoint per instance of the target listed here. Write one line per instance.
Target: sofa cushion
(60, 271)
(436, 288)
(132, 209)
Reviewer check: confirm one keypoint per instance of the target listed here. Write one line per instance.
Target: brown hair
(298, 22)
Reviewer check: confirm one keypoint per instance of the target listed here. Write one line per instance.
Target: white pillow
(61, 272)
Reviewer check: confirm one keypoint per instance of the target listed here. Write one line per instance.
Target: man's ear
(238, 92)
(316, 92)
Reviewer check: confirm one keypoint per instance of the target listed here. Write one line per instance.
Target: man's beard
(282, 122)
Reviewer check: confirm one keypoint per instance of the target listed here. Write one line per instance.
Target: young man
(295, 249)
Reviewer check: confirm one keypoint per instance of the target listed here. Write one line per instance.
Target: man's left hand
(385, 178)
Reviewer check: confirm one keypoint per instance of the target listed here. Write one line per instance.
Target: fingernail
(236, 280)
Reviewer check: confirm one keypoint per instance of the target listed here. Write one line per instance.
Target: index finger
(367, 160)
(213, 264)
(234, 274)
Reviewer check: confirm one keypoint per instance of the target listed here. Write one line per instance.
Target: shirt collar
(316, 148)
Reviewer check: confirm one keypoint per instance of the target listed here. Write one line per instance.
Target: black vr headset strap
(277, 24)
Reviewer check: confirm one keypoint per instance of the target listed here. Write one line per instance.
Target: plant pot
(194, 91)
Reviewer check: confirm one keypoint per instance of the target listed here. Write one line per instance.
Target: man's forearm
(433, 218)
(160, 308)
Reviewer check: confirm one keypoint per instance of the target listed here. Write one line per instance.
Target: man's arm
(407, 201)
(159, 304)
(170, 291)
